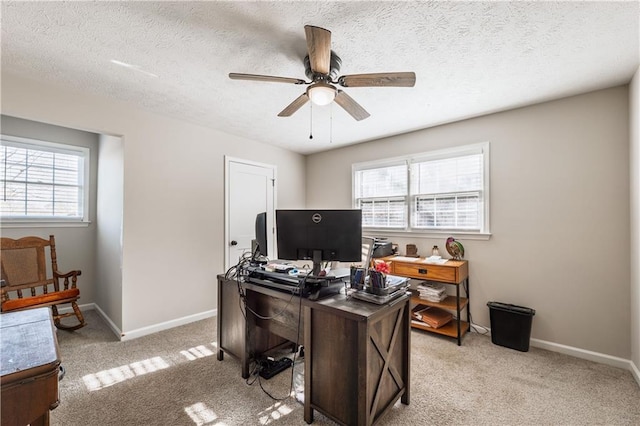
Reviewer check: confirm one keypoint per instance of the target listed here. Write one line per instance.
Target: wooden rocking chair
(24, 270)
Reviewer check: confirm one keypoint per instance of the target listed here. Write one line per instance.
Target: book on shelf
(417, 322)
(432, 291)
(431, 316)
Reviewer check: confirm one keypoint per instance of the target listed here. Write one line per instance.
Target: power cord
(266, 363)
(239, 272)
(293, 363)
(473, 327)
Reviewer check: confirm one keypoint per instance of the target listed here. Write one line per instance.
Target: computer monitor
(319, 235)
(261, 236)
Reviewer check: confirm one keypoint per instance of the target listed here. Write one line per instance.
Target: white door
(249, 190)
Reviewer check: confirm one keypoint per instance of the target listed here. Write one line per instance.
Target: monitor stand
(258, 259)
(326, 290)
(317, 263)
(321, 286)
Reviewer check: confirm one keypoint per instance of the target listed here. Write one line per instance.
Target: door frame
(227, 165)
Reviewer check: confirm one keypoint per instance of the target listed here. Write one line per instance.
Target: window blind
(390, 213)
(447, 192)
(387, 181)
(444, 190)
(41, 181)
(381, 194)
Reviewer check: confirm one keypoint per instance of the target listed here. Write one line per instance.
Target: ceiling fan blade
(383, 79)
(268, 78)
(351, 106)
(319, 47)
(294, 106)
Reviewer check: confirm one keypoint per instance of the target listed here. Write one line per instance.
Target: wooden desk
(245, 339)
(30, 366)
(357, 354)
(357, 358)
(453, 272)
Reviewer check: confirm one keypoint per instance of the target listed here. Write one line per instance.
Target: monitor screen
(261, 235)
(319, 235)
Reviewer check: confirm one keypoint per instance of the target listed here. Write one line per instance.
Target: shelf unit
(453, 272)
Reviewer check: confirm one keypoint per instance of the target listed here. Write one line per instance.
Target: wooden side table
(29, 368)
(453, 272)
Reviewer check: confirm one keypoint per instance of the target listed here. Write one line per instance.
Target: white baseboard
(635, 371)
(134, 334)
(614, 361)
(111, 324)
(94, 307)
(144, 330)
(583, 353)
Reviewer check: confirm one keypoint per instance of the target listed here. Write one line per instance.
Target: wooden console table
(453, 272)
(30, 366)
(357, 354)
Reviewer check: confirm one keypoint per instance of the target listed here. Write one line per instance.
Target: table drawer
(423, 271)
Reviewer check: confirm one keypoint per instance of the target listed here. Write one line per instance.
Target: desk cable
(237, 273)
(472, 326)
(243, 301)
(258, 365)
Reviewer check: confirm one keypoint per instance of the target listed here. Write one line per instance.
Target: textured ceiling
(470, 58)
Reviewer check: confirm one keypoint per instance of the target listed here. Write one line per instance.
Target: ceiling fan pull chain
(310, 120)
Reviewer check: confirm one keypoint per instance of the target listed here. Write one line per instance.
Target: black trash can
(510, 325)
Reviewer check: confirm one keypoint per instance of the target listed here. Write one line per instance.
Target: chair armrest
(70, 274)
(65, 279)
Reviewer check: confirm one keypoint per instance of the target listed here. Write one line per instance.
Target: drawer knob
(422, 271)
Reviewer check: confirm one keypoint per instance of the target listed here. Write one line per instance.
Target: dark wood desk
(357, 354)
(245, 339)
(29, 368)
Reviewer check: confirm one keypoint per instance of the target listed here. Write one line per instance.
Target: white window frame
(482, 234)
(390, 198)
(83, 152)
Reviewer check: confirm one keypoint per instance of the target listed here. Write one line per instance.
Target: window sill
(484, 236)
(42, 224)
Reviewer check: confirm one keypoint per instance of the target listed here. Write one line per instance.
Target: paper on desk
(434, 259)
(406, 259)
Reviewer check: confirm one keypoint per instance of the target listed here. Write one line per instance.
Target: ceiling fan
(321, 67)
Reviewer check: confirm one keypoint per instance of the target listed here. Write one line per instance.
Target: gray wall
(634, 98)
(559, 213)
(109, 228)
(173, 201)
(74, 245)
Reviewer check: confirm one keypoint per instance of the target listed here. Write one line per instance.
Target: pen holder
(377, 279)
(356, 277)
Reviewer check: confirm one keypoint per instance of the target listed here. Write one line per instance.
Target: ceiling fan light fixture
(321, 66)
(321, 93)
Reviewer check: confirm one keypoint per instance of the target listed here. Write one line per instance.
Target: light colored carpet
(173, 378)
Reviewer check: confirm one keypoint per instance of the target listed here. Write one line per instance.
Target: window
(440, 191)
(381, 194)
(43, 181)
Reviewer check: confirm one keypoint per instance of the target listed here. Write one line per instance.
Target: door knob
(234, 243)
